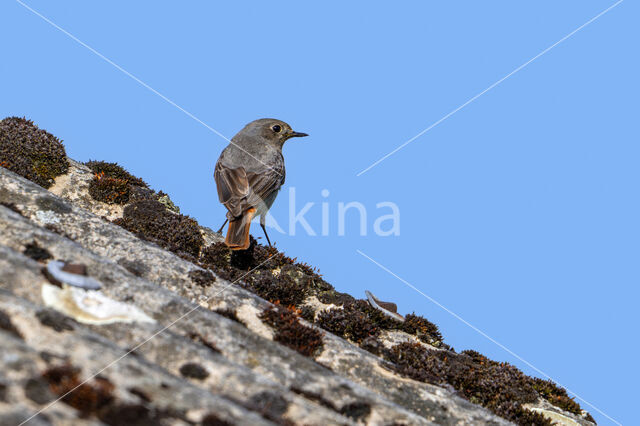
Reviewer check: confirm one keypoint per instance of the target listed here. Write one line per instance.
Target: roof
(182, 331)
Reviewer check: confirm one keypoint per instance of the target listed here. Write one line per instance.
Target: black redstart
(249, 174)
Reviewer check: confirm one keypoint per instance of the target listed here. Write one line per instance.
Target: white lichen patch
(390, 338)
(61, 183)
(91, 307)
(318, 306)
(47, 217)
(249, 316)
(74, 186)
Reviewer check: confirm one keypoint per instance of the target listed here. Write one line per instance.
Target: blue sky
(519, 212)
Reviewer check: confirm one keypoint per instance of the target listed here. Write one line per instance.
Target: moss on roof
(348, 322)
(556, 395)
(290, 332)
(31, 152)
(500, 387)
(111, 183)
(152, 221)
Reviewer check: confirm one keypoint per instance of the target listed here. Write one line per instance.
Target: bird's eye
(276, 128)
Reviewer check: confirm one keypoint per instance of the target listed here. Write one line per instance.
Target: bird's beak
(297, 134)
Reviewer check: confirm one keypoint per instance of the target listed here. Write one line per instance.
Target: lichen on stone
(166, 201)
(91, 307)
(31, 152)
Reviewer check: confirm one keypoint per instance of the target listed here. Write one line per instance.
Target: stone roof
(188, 339)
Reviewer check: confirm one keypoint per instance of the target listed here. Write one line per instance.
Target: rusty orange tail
(238, 232)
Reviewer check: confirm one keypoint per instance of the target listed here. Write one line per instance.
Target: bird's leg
(225, 222)
(262, 225)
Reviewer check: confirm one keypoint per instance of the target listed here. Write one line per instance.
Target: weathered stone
(199, 366)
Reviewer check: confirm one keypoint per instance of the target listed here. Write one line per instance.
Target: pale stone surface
(561, 418)
(245, 375)
(74, 186)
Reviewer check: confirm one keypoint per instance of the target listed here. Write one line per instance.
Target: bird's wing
(239, 190)
(233, 187)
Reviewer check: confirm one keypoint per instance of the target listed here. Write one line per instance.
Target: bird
(249, 174)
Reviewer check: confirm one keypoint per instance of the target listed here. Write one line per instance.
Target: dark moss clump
(202, 277)
(545, 388)
(308, 313)
(378, 318)
(136, 267)
(31, 152)
(374, 345)
(348, 322)
(270, 405)
(500, 387)
(122, 413)
(425, 330)
(273, 276)
(213, 420)
(230, 314)
(356, 410)
(109, 190)
(358, 320)
(217, 257)
(35, 252)
(335, 297)
(112, 184)
(55, 320)
(524, 417)
(556, 395)
(37, 390)
(194, 371)
(116, 171)
(87, 398)
(150, 220)
(290, 332)
(7, 325)
(283, 288)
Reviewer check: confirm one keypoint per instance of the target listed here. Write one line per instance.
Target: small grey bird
(249, 174)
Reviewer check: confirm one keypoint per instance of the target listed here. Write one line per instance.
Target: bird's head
(276, 132)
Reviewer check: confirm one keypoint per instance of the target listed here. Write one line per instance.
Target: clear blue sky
(519, 212)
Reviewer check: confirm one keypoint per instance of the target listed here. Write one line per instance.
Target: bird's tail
(238, 232)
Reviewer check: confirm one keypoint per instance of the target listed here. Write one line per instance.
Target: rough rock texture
(208, 359)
